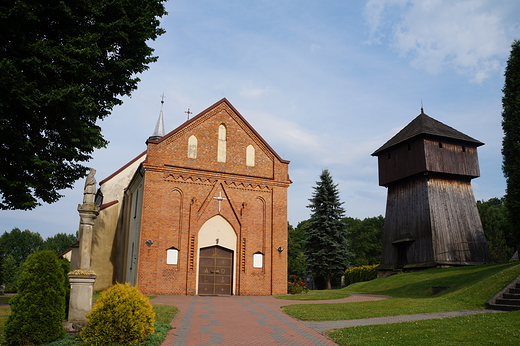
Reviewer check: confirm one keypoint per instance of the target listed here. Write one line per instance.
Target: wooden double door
(215, 271)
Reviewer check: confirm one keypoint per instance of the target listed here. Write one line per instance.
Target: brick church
(202, 211)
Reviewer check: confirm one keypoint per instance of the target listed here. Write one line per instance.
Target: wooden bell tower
(431, 214)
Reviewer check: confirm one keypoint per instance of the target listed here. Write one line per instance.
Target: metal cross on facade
(219, 199)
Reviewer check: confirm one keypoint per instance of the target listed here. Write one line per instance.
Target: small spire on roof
(159, 128)
(422, 109)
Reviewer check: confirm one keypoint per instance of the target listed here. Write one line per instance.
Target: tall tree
(15, 247)
(497, 228)
(326, 240)
(65, 64)
(364, 239)
(295, 246)
(511, 140)
(59, 242)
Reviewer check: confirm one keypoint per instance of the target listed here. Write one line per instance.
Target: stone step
(504, 307)
(511, 296)
(508, 302)
(514, 290)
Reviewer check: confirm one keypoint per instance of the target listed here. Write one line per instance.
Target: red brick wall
(179, 198)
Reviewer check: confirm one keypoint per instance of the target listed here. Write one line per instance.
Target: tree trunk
(329, 285)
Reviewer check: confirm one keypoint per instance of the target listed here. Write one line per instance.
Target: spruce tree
(511, 141)
(326, 238)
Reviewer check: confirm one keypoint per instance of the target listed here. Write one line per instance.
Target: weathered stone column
(82, 280)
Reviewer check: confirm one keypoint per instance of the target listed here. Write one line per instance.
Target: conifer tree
(38, 310)
(326, 241)
(511, 140)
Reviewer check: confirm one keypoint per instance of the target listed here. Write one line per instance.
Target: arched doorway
(216, 257)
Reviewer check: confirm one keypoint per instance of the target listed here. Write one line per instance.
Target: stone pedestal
(81, 290)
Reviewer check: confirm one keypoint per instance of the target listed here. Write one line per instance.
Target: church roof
(216, 104)
(425, 125)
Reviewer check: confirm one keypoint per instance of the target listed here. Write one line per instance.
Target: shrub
(65, 266)
(295, 285)
(359, 274)
(38, 310)
(121, 315)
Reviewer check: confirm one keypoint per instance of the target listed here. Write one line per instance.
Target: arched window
(250, 156)
(192, 147)
(221, 154)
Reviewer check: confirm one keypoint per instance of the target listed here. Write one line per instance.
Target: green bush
(38, 310)
(360, 274)
(295, 285)
(122, 315)
(65, 266)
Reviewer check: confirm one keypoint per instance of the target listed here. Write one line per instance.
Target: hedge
(359, 274)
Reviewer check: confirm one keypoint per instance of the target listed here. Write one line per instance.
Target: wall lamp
(280, 249)
(149, 242)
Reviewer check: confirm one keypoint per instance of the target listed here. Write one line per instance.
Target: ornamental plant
(295, 285)
(122, 315)
(38, 310)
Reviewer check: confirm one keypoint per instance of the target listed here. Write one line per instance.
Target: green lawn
(483, 329)
(316, 295)
(470, 288)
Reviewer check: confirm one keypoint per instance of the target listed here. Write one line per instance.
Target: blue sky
(325, 83)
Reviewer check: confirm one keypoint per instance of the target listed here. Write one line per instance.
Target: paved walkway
(258, 320)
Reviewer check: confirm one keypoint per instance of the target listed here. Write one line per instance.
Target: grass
(470, 288)
(4, 313)
(164, 314)
(316, 295)
(482, 329)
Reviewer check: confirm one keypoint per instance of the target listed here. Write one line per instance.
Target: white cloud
(468, 36)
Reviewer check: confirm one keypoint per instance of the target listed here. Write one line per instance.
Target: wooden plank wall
(457, 233)
(401, 161)
(407, 212)
(451, 158)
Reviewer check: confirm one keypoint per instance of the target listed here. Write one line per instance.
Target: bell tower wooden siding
(431, 215)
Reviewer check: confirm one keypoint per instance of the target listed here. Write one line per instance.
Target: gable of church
(217, 140)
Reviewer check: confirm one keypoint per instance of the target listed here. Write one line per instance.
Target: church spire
(159, 128)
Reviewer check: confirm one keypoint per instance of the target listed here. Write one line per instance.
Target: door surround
(217, 231)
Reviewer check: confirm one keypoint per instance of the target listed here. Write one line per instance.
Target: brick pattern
(179, 198)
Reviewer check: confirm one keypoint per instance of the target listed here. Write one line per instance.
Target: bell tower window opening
(192, 147)
(250, 156)
(221, 153)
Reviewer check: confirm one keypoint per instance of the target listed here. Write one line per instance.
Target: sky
(325, 83)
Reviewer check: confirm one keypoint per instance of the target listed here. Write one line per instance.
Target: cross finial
(219, 199)
(162, 98)
(188, 112)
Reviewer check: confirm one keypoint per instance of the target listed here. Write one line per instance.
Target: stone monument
(82, 280)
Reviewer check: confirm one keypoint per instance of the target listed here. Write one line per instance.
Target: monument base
(81, 291)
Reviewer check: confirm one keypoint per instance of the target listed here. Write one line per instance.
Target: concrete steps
(508, 299)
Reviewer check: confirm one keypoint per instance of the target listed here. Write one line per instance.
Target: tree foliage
(364, 239)
(59, 242)
(326, 238)
(17, 245)
(20, 244)
(296, 261)
(497, 228)
(38, 310)
(65, 64)
(511, 140)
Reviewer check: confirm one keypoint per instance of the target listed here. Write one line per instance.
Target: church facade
(202, 211)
